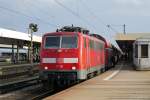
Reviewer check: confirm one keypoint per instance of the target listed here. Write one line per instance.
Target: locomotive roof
(107, 44)
(73, 29)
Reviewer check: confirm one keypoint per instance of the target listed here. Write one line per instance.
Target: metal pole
(125, 43)
(17, 52)
(32, 28)
(13, 55)
(31, 51)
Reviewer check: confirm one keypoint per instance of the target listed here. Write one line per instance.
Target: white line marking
(113, 74)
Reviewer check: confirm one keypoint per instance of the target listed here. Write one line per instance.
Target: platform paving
(120, 83)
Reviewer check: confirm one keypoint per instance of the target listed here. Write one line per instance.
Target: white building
(141, 53)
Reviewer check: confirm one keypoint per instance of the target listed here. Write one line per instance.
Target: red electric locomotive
(71, 54)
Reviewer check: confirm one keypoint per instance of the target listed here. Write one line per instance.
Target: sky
(94, 15)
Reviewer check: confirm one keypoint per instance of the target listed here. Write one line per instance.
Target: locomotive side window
(52, 42)
(100, 46)
(84, 42)
(97, 46)
(69, 42)
(144, 51)
(91, 44)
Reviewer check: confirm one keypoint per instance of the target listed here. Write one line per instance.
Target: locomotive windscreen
(52, 42)
(69, 42)
(61, 42)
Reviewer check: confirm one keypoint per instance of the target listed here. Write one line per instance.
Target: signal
(33, 27)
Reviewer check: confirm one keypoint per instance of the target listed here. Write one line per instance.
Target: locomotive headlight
(45, 67)
(73, 68)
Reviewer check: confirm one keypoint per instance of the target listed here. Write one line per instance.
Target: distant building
(141, 53)
(11, 40)
(125, 42)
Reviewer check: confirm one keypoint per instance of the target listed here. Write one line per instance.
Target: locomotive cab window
(61, 42)
(69, 42)
(144, 51)
(52, 42)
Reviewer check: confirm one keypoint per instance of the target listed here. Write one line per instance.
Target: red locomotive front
(60, 53)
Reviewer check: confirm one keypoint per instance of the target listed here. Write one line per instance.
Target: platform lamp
(32, 28)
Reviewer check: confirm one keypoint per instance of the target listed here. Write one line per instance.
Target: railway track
(25, 93)
(12, 85)
(45, 94)
(14, 77)
(35, 92)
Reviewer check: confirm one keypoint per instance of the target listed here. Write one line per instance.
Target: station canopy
(13, 37)
(130, 36)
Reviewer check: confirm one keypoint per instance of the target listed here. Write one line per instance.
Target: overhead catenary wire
(110, 27)
(100, 20)
(43, 11)
(92, 13)
(97, 17)
(77, 15)
(33, 4)
(74, 13)
(89, 10)
(62, 5)
(25, 15)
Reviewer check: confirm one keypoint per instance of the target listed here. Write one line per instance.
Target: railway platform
(7, 70)
(16, 74)
(119, 83)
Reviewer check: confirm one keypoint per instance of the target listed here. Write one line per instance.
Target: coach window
(136, 51)
(144, 51)
(91, 43)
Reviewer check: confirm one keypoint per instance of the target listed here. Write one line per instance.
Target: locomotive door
(88, 55)
(85, 53)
